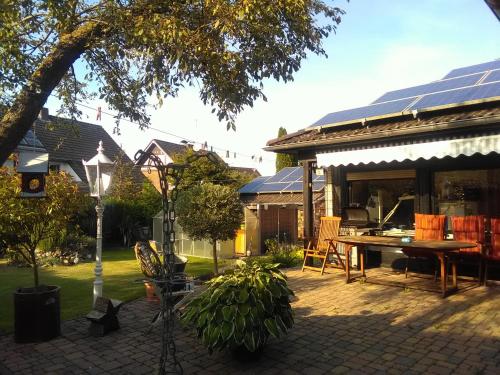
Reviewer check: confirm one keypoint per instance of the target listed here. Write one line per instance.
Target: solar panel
(365, 112)
(282, 174)
(272, 187)
(252, 186)
(318, 186)
(493, 76)
(294, 175)
(459, 96)
(448, 84)
(491, 65)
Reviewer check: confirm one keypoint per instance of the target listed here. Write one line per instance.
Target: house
(273, 208)
(67, 142)
(438, 143)
(167, 151)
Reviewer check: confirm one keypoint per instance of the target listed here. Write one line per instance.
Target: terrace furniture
(427, 227)
(324, 245)
(442, 249)
(493, 253)
(470, 229)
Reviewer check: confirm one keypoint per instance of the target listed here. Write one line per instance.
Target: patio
(353, 328)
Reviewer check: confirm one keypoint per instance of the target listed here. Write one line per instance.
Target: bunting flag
(99, 114)
(260, 159)
(227, 153)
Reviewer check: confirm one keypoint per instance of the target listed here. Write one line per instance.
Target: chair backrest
(429, 227)
(328, 228)
(148, 260)
(494, 250)
(469, 229)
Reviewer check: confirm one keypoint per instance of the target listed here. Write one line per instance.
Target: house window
(379, 197)
(467, 192)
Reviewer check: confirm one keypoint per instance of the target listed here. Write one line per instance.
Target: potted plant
(24, 223)
(241, 309)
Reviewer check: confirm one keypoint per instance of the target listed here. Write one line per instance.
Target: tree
(213, 170)
(131, 50)
(210, 212)
(25, 222)
(285, 160)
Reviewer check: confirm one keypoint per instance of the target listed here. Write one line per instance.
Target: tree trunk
(214, 254)
(35, 265)
(33, 96)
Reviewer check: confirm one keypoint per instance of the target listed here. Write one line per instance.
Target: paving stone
(353, 329)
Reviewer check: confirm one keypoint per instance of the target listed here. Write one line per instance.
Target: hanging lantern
(33, 166)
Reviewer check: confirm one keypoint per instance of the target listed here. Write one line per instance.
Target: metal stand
(98, 254)
(169, 174)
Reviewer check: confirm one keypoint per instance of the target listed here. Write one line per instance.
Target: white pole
(98, 254)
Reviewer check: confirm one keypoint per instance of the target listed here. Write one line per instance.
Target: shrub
(286, 254)
(242, 308)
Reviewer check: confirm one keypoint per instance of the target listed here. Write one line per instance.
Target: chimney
(44, 114)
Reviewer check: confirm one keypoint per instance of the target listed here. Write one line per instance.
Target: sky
(379, 46)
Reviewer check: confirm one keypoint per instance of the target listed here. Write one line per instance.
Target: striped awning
(425, 150)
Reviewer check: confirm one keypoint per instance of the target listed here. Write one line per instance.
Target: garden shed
(273, 207)
(189, 247)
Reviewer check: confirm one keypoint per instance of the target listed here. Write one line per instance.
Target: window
(467, 192)
(379, 197)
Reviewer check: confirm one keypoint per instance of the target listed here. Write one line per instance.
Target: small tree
(285, 160)
(25, 222)
(211, 212)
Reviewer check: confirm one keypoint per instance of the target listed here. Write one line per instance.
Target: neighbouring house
(67, 142)
(434, 147)
(273, 208)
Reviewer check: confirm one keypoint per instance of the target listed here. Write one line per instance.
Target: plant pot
(37, 314)
(242, 354)
(180, 264)
(150, 292)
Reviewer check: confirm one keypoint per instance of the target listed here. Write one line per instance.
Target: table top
(396, 242)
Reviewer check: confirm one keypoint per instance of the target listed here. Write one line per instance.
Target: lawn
(120, 270)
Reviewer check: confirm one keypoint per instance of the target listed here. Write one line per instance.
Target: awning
(425, 150)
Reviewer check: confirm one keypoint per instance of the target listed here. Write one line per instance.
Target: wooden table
(442, 249)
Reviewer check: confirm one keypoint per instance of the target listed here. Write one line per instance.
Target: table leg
(361, 250)
(347, 263)
(444, 276)
(454, 274)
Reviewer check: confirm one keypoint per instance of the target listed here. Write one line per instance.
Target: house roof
(170, 148)
(278, 198)
(466, 96)
(71, 141)
(251, 171)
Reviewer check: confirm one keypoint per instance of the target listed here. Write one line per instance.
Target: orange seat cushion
(469, 229)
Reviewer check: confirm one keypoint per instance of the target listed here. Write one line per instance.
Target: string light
(203, 145)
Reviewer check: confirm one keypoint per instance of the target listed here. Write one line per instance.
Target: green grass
(120, 269)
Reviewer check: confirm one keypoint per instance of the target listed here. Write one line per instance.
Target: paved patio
(356, 328)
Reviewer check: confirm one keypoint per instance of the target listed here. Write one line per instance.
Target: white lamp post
(99, 171)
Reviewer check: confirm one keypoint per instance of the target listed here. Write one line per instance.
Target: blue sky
(379, 46)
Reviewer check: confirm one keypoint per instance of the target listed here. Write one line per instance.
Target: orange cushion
(494, 251)
(468, 229)
(429, 227)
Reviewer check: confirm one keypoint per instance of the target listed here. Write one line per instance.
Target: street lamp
(99, 171)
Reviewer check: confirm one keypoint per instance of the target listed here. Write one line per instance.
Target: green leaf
(227, 330)
(244, 309)
(243, 296)
(250, 341)
(240, 322)
(228, 312)
(272, 327)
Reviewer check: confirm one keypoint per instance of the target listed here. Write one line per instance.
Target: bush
(242, 308)
(286, 254)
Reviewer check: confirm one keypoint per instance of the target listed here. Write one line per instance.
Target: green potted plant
(241, 309)
(24, 223)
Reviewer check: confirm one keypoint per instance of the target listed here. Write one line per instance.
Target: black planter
(37, 314)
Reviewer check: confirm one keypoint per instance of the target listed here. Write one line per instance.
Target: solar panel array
(287, 180)
(461, 85)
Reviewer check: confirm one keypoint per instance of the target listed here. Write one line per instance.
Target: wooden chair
(323, 246)
(470, 229)
(427, 227)
(493, 253)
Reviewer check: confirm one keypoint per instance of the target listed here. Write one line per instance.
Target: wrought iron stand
(169, 175)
